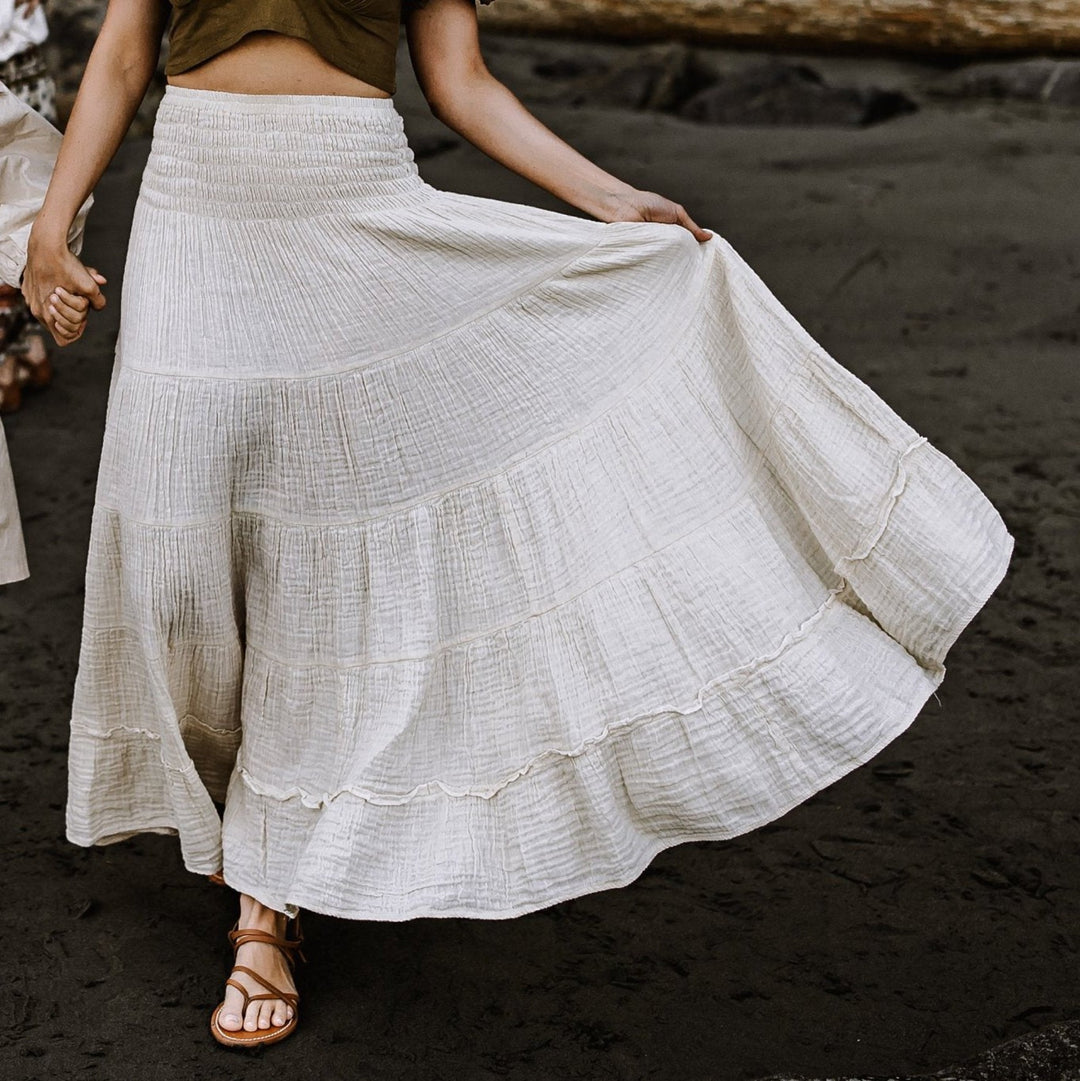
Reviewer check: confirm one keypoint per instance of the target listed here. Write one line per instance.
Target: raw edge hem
(101, 840)
(94, 840)
(660, 844)
(978, 597)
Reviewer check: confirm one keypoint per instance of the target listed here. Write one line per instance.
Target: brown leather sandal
(238, 936)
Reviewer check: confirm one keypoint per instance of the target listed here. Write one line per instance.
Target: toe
(251, 1018)
(265, 1013)
(279, 1016)
(230, 1017)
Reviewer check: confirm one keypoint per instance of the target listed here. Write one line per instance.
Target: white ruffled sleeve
(28, 148)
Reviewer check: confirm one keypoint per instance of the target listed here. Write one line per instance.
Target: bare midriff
(265, 62)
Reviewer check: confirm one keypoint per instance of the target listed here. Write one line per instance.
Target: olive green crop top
(358, 36)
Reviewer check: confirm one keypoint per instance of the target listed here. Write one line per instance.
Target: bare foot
(269, 962)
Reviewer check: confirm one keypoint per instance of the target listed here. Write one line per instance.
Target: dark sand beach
(913, 915)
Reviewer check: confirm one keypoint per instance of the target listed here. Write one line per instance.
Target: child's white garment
(28, 148)
(13, 566)
(20, 31)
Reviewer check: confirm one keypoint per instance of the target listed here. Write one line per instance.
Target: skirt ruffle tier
(470, 554)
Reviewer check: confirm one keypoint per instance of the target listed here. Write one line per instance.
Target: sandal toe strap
(291, 998)
(243, 990)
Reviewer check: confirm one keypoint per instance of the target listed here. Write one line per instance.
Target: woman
(564, 544)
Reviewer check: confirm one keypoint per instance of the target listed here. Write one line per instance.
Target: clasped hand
(60, 291)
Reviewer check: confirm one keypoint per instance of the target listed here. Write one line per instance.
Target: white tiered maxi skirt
(471, 553)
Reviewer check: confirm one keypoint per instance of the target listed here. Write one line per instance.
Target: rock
(566, 67)
(777, 91)
(713, 89)
(656, 77)
(894, 771)
(1040, 78)
(990, 877)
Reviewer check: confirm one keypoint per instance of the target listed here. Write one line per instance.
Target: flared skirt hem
(877, 688)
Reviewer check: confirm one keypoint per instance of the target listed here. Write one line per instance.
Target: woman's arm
(117, 74)
(445, 49)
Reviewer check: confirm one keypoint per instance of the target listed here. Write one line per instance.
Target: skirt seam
(934, 671)
(133, 730)
(87, 727)
(550, 755)
(428, 499)
(737, 497)
(862, 551)
(799, 793)
(896, 490)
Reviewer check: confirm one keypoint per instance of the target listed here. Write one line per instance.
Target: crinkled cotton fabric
(453, 557)
(13, 564)
(20, 30)
(28, 149)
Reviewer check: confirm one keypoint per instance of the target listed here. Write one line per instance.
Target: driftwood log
(915, 26)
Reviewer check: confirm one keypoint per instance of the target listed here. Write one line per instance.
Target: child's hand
(56, 286)
(69, 310)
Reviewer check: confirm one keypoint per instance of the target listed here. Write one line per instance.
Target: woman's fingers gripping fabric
(684, 219)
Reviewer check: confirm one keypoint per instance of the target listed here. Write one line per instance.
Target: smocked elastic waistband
(227, 101)
(220, 154)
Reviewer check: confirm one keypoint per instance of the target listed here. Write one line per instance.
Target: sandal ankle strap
(240, 936)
